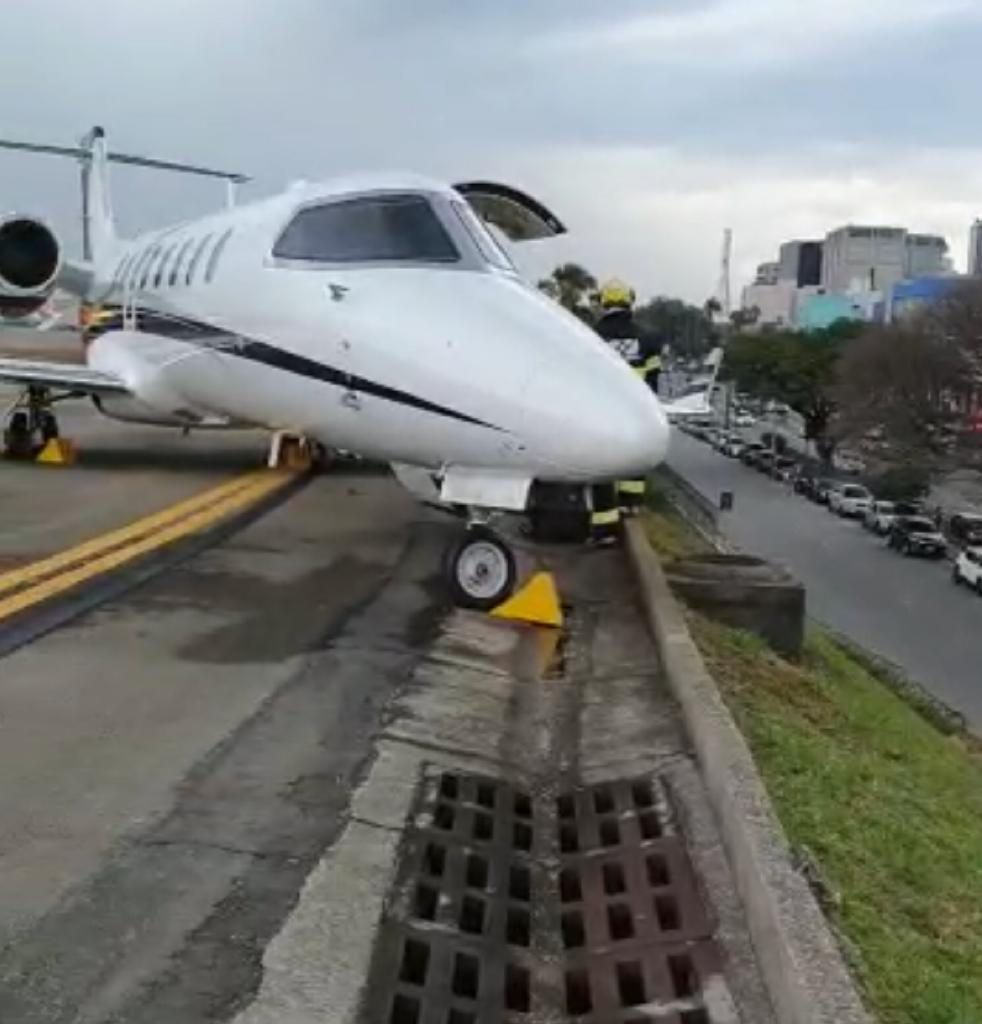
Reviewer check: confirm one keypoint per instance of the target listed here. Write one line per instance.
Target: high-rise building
(859, 258)
(926, 255)
(801, 263)
(975, 249)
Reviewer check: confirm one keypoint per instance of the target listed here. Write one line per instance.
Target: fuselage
(376, 315)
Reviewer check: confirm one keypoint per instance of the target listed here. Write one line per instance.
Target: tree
(741, 318)
(796, 368)
(572, 286)
(683, 327)
(900, 382)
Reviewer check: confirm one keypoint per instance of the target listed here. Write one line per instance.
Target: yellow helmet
(614, 293)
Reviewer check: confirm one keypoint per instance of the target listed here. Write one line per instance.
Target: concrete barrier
(801, 963)
(745, 592)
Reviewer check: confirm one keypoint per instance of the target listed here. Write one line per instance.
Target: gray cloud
(533, 91)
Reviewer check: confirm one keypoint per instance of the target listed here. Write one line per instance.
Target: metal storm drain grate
(636, 933)
(605, 924)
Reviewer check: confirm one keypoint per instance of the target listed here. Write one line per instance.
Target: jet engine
(30, 258)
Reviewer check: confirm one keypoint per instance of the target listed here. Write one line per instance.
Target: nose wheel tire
(481, 570)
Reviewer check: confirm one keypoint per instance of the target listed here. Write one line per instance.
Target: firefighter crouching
(619, 329)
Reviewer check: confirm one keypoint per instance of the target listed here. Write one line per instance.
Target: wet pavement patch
(513, 906)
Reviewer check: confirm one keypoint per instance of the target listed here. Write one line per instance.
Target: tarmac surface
(175, 761)
(904, 609)
(206, 778)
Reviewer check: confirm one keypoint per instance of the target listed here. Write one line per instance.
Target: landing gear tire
(18, 440)
(48, 427)
(481, 570)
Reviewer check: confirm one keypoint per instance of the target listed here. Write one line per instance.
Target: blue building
(820, 311)
(909, 296)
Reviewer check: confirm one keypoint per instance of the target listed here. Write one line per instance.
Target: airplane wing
(691, 406)
(517, 214)
(64, 376)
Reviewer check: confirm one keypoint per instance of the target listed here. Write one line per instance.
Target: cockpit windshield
(487, 245)
(381, 228)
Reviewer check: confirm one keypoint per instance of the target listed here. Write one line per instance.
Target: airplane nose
(600, 426)
(642, 430)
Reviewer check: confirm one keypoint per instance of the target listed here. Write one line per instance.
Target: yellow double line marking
(49, 577)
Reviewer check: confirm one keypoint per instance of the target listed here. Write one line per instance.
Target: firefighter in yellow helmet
(618, 327)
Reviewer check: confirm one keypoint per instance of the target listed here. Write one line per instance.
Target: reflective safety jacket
(620, 330)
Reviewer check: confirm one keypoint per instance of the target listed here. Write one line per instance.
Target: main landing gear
(481, 568)
(29, 424)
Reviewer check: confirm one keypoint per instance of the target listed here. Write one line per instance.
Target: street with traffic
(906, 608)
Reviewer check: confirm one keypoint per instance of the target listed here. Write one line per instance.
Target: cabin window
(175, 270)
(152, 253)
(216, 255)
(196, 259)
(160, 277)
(389, 228)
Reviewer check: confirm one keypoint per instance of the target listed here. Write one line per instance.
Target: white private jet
(375, 314)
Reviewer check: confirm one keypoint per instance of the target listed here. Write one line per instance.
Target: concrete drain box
(510, 907)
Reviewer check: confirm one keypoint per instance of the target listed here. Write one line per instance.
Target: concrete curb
(799, 959)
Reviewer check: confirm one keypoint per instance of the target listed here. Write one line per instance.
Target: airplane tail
(98, 227)
(99, 232)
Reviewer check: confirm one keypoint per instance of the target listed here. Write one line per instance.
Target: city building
(773, 301)
(801, 262)
(855, 273)
(874, 258)
(863, 258)
(907, 297)
(822, 309)
(767, 273)
(926, 255)
(975, 249)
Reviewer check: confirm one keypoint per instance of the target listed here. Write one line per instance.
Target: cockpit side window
(370, 229)
(482, 237)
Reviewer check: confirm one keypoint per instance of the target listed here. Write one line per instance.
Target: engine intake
(30, 258)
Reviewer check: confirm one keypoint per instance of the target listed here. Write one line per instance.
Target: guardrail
(692, 503)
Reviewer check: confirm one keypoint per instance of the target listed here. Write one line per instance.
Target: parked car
(880, 516)
(804, 483)
(752, 452)
(723, 440)
(823, 490)
(965, 529)
(784, 468)
(734, 447)
(968, 569)
(764, 462)
(744, 419)
(850, 500)
(916, 535)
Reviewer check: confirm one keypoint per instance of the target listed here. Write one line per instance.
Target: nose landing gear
(481, 569)
(29, 424)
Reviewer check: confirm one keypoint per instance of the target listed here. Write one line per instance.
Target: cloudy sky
(647, 125)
